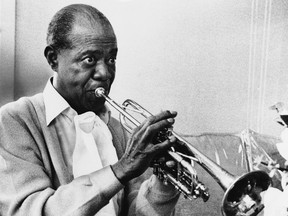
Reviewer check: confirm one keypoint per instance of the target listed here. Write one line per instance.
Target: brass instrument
(242, 194)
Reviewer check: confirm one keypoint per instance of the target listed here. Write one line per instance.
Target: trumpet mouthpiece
(99, 92)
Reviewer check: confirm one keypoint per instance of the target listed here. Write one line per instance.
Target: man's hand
(141, 150)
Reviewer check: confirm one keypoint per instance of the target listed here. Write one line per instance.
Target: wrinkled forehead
(95, 31)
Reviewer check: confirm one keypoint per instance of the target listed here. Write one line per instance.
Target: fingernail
(173, 112)
(172, 138)
(171, 120)
(170, 164)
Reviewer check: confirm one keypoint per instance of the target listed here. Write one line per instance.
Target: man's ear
(51, 56)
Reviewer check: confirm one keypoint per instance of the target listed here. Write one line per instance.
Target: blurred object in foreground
(282, 109)
(237, 153)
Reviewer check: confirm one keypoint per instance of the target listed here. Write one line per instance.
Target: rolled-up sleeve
(150, 197)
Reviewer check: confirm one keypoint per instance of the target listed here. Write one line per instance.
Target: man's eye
(90, 60)
(112, 61)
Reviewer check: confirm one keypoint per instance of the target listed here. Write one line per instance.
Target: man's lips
(93, 90)
(91, 96)
(105, 85)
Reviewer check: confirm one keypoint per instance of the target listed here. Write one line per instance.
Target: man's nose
(101, 71)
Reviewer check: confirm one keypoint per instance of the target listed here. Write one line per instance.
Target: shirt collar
(54, 103)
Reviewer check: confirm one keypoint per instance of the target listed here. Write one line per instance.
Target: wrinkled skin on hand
(141, 150)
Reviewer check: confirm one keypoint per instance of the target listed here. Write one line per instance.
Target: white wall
(202, 58)
(7, 50)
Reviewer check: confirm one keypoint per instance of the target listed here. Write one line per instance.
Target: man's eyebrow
(94, 51)
(81, 53)
(114, 51)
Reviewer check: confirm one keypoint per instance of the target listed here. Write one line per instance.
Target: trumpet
(242, 194)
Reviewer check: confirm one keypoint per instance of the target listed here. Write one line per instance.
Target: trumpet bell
(243, 197)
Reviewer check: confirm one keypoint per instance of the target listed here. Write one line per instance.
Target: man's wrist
(119, 173)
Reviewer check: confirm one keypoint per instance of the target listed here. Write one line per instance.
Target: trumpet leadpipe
(100, 92)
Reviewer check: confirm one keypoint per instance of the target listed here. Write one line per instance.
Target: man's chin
(96, 106)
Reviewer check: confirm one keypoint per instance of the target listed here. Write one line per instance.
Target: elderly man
(60, 151)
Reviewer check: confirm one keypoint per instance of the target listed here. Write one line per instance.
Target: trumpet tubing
(242, 194)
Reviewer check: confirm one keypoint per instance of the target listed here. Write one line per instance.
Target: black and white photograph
(143, 108)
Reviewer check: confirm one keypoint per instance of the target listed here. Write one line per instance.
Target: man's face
(88, 65)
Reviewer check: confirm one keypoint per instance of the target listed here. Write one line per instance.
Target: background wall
(7, 50)
(220, 63)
